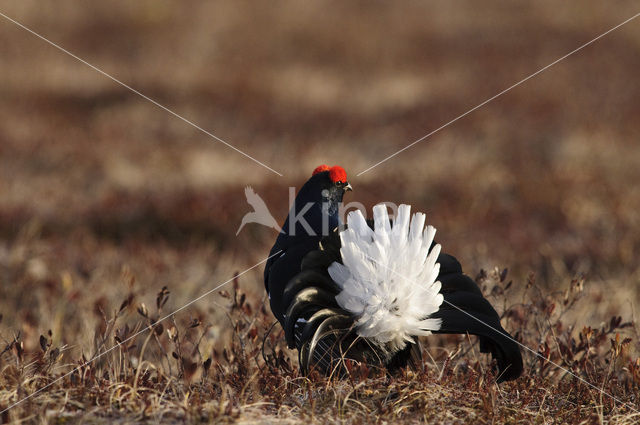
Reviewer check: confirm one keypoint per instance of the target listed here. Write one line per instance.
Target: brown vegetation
(114, 214)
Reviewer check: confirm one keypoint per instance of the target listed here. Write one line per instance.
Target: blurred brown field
(103, 193)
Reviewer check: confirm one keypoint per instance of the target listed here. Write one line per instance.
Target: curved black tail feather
(463, 313)
(465, 310)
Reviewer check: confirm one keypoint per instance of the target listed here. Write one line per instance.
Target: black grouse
(368, 289)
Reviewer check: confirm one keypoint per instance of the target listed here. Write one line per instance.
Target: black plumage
(302, 295)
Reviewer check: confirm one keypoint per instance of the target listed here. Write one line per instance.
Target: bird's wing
(465, 310)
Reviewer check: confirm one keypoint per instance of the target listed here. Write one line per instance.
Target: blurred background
(103, 194)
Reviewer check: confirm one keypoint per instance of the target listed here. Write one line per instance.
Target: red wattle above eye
(337, 174)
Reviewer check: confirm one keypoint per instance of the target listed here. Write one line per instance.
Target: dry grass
(174, 371)
(105, 200)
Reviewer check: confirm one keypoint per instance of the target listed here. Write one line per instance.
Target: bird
(367, 290)
(260, 213)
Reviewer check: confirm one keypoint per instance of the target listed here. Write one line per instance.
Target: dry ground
(105, 199)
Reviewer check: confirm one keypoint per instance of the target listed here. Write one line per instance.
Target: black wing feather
(465, 310)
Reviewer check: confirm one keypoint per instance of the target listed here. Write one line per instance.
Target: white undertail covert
(388, 276)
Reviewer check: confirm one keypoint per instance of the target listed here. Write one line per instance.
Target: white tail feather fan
(388, 277)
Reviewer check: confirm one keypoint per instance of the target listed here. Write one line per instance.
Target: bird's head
(317, 206)
(332, 182)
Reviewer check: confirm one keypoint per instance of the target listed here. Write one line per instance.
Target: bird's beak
(348, 188)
